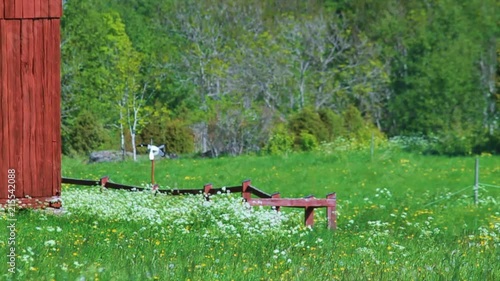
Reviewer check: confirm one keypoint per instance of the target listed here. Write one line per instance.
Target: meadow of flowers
(400, 217)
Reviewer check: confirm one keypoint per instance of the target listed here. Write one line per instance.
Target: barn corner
(30, 93)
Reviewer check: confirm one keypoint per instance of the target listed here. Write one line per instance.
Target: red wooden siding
(38, 100)
(30, 132)
(30, 9)
(13, 81)
(27, 57)
(4, 140)
(56, 104)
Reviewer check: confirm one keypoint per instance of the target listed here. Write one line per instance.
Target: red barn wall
(30, 133)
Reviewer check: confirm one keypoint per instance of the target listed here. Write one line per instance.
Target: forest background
(249, 76)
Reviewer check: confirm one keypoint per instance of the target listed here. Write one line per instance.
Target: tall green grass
(400, 217)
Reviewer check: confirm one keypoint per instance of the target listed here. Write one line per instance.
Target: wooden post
(152, 172)
(206, 190)
(309, 214)
(245, 192)
(103, 181)
(331, 212)
(276, 195)
(476, 182)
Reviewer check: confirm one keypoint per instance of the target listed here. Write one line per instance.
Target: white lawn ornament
(154, 151)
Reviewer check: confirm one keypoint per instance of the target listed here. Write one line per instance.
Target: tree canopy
(232, 72)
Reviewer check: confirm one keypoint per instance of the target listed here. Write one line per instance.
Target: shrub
(308, 142)
(86, 134)
(452, 143)
(178, 138)
(353, 121)
(280, 142)
(308, 121)
(490, 143)
(175, 134)
(334, 123)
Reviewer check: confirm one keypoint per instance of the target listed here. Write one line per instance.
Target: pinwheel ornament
(154, 151)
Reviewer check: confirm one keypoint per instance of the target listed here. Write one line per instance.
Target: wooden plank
(55, 8)
(44, 9)
(18, 9)
(27, 57)
(47, 113)
(28, 9)
(37, 8)
(12, 28)
(9, 9)
(13, 9)
(2, 6)
(38, 107)
(34, 123)
(292, 202)
(4, 111)
(56, 105)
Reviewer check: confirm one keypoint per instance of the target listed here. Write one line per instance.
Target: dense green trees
(225, 74)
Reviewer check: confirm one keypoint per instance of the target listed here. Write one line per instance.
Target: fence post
(276, 195)
(206, 190)
(476, 182)
(309, 214)
(331, 212)
(103, 181)
(244, 190)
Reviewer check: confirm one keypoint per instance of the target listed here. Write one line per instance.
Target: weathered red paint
(245, 190)
(292, 202)
(30, 131)
(206, 189)
(30, 9)
(276, 195)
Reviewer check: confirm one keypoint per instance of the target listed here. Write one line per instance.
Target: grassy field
(400, 217)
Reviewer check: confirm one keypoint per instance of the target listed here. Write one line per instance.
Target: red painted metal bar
(206, 190)
(309, 216)
(309, 203)
(331, 213)
(293, 202)
(103, 181)
(276, 195)
(309, 213)
(245, 191)
(257, 192)
(80, 182)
